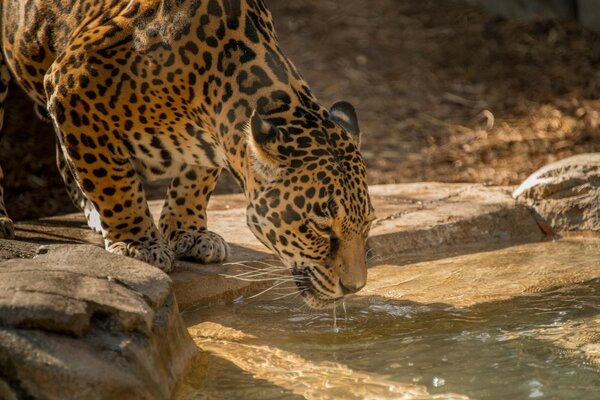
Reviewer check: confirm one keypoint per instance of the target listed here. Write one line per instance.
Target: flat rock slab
(489, 276)
(412, 218)
(106, 324)
(565, 194)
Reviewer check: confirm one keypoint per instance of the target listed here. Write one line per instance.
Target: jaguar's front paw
(203, 246)
(7, 228)
(154, 251)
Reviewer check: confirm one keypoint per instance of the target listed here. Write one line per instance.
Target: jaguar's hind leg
(7, 229)
(77, 197)
(183, 217)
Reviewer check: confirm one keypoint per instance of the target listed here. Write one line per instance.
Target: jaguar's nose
(352, 288)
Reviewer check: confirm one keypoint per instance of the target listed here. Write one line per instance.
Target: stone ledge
(439, 215)
(412, 217)
(107, 325)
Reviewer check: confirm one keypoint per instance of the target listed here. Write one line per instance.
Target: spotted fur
(148, 89)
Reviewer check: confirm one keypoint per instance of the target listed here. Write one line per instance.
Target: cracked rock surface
(78, 322)
(566, 194)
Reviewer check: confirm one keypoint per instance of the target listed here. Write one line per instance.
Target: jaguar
(183, 89)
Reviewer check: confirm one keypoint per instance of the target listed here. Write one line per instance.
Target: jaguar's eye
(320, 226)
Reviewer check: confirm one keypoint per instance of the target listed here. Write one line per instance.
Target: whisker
(270, 265)
(291, 287)
(246, 279)
(379, 258)
(242, 264)
(295, 293)
(272, 273)
(261, 273)
(264, 291)
(335, 328)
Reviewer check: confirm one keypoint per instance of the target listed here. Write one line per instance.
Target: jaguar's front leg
(183, 217)
(106, 177)
(87, 107)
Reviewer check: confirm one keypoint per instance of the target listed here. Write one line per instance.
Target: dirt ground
(444, 90)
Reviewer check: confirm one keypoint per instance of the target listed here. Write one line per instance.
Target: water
(540, 344)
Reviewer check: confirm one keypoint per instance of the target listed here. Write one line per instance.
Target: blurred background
(446, 90)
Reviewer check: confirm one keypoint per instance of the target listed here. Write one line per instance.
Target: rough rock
(432, 216)
(78, 322)
(565, 194)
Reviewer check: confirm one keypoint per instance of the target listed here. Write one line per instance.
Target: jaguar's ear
(344, 114)
(263, 140)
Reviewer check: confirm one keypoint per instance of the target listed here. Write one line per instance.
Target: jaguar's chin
(318, 301)
(308, 284)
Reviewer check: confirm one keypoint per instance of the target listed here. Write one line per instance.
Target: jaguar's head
(309, 202)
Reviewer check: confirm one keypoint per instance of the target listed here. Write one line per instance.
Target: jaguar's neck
(256, 77)
(284, 106)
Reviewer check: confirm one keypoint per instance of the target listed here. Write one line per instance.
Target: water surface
(535, 340)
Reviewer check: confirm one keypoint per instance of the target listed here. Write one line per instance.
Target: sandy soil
(444, 91)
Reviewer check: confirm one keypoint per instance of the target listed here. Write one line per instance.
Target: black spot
(84, 81)
(251, 30)
(88, 185)
(272, 237)
(89, 158)
(72, 139)
(334, 245)
(276, 65)
(75, 118)
(262, 208)
(100, 172)
(214, 8)
(191, 175)
(290, 215)
(299, 201)
(233, 12)
(262, 80)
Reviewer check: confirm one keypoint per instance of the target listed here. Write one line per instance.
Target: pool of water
(538, 344)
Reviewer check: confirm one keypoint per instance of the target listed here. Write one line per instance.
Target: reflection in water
(538, 342)
(312, 380)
